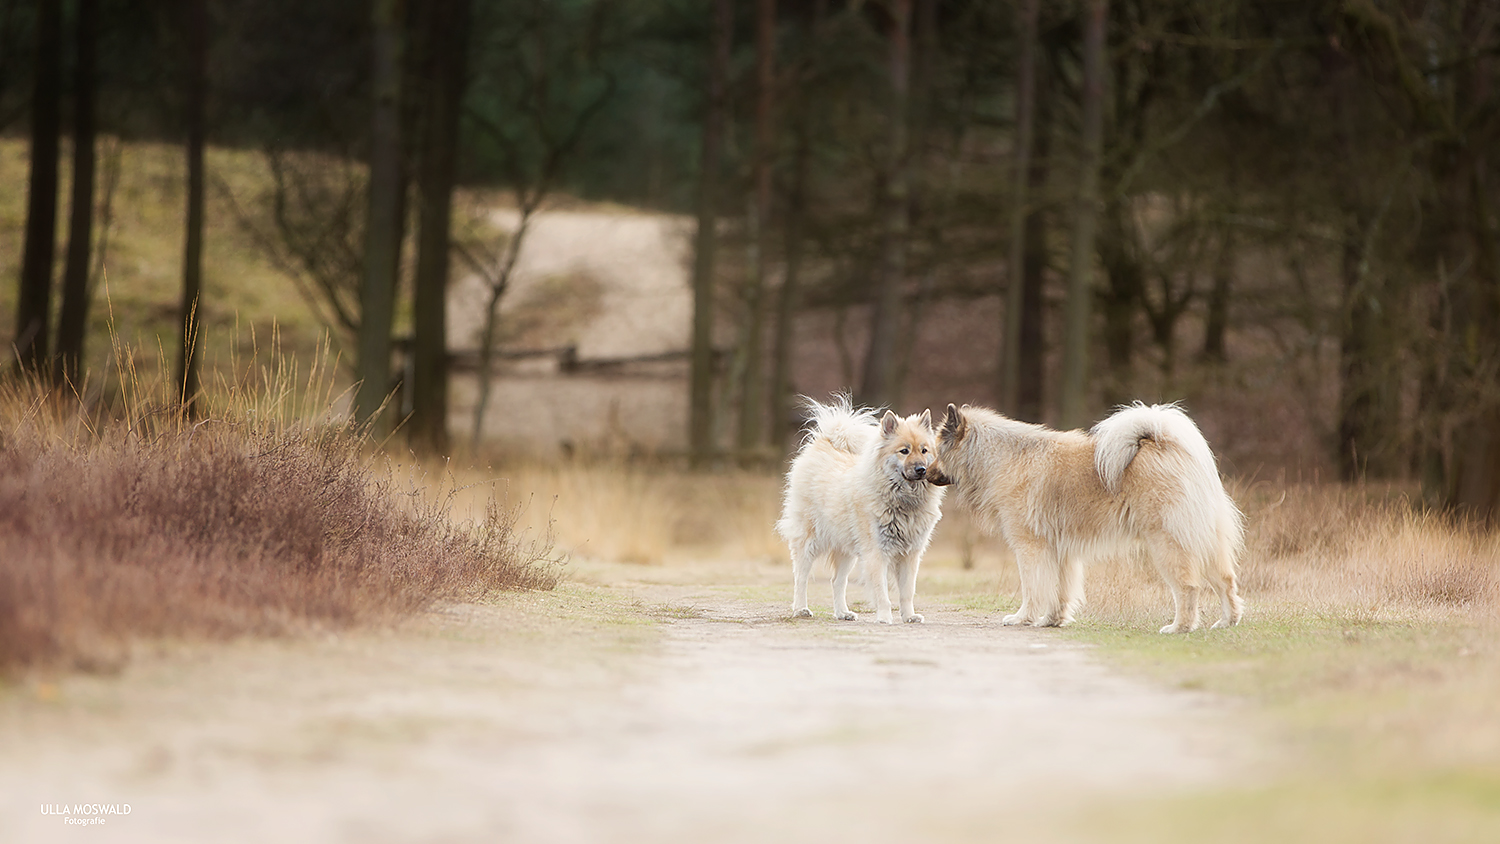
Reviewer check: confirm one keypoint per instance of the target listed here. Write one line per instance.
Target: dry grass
(1354, 552)
(649, 513)
(266, 515)
(1313, 550)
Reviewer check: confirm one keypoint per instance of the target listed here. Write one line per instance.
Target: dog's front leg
(906, 582)
(842, 565)
(880, 566)
(1030, 554)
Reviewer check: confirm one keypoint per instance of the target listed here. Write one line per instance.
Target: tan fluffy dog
(1143, 477)
(859, 489)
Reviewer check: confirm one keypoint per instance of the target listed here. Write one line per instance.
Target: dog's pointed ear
(888, 423)
(927, 421)
(955, 425)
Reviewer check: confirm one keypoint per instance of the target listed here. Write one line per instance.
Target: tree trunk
(34, 299)
(1015, 286)
(1217, 321)
(1476, 475)
(788, 302)
(447, 53)
(1356, 401)
(1033, 352)
(1119, 252)
(700, 402)
(752, 403)
(927, 193)
(72, 320)
(1074, 396)
(190, 313)
(876, 387)
(384, 226)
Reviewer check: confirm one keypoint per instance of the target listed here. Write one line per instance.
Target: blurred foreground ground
(661, 703)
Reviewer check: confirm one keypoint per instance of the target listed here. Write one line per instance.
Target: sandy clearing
(626, 711)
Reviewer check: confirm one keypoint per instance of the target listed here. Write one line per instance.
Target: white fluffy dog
(859, 489)
(1142, 477)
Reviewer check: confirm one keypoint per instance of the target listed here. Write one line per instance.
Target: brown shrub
(220, 529)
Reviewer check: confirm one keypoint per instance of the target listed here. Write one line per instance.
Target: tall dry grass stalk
(122, 518)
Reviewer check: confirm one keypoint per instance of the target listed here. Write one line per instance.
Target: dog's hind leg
(802, 565)
(1221, 573)
(1180, 572)
(842, 564)
(906, 584)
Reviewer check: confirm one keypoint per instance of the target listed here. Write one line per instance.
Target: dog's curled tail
(1118, 438)
(839, 423)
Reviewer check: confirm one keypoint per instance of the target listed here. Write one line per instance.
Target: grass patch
(1385, 728)
(1459, 806)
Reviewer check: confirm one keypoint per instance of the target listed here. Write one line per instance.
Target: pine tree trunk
(1217, 321)
(1074, 407)
(789, 300)
(1015, 286)
(700, 400)
(72, 321)
(428, 427)
(34, 299)
(1119, 251)
(190, 313)
(1476, 471)
(384, 226)
(1033, 356)
(876, 387)
(752, 401)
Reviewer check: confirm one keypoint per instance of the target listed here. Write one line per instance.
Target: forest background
(1280, 213)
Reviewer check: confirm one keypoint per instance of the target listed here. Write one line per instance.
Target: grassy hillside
(138, 292)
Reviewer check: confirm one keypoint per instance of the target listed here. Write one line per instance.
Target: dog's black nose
(921, 471)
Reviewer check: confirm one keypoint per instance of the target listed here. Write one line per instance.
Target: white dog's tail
(839, 423)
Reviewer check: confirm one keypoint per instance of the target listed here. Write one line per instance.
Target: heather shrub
(116, 530)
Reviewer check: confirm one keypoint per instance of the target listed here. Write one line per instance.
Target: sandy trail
(623, 711)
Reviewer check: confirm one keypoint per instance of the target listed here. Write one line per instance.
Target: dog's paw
(1177, 628)
(845, 616)
(879, 619)
(914, 618)
(803, 612)
(1044, 621)
(1221, 624)
(1013, 619)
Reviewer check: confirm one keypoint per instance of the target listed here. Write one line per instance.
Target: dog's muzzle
(937, 477)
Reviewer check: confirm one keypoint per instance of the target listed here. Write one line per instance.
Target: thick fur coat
(1142, 478)
(859, 489)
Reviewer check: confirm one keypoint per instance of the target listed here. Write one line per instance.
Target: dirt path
(625, 711)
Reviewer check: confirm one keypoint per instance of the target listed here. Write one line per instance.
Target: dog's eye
(924, 449)
(906, 451)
